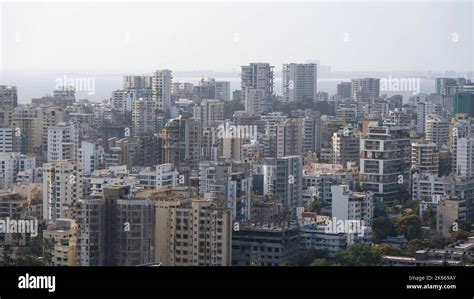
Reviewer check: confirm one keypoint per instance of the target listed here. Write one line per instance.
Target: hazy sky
(121, 37)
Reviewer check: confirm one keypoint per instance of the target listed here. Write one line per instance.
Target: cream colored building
(63, 235)
(191, 232)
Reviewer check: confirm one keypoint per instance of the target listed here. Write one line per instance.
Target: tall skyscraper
(259, 76)
(137, 82)
(143, 116)
(344, 90)
(210, 112)
(182, 143)
(436, 129)
(449, 86)
(24, 121)
(345, 147)
(63, 142)
(385, 162)
(220, 89)
(289, 137)
(463, 102)
(288, 182)
(191, 232)
(161, 89)
(62, 188)
(465, 157)
(300, 82)
(8, 96)
(425, 157)
(462, 126)
(365, 89)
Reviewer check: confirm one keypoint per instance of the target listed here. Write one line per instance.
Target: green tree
(359, 255)
(382, 227)
(286, 264)
(306, 257)
(409, 225)
(429, 218)
(321, 262)
(460, 235)
(6, 258)
(387, 249)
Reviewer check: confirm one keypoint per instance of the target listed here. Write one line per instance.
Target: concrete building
(161, 89)
(143, 116)
(312, 133)
(162, 176)
(182, 143)
(264, 245)
(313, 237)
(289, 137)
(425, 157)
(62, 188)
(300, 82)
(385, 162)
(11, 164)
(465, 157)
(344, 90)
(221, 89)
(91, 157)
(62, 233)
(91, 246)
(350, 205)
(288, 182)
(345, 147)
(25, 121)
(63, 143)
(365, 89)
(210, 113)
(451, 213)
(7, 140)
(258, 78)
(463, 102)
(137, 82)
(190, 232)
(462, 126)
(426, 186)
(8, 96)
(436, 129)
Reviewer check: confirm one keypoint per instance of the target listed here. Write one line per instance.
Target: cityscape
(273, 169)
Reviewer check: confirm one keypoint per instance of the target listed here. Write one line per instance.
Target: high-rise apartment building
(161, 89)
(463, 102)
(210, 112)
(385, 162)
(62, 188)
(345, 147)
(425, 157)
(288, 182)
(63, 142)
(8, 96)
(436, 129)
(258, 77)
(182, 143)
(344, 90)
(365, 89)
(300, 82)
(465, 157)
(191, 232)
